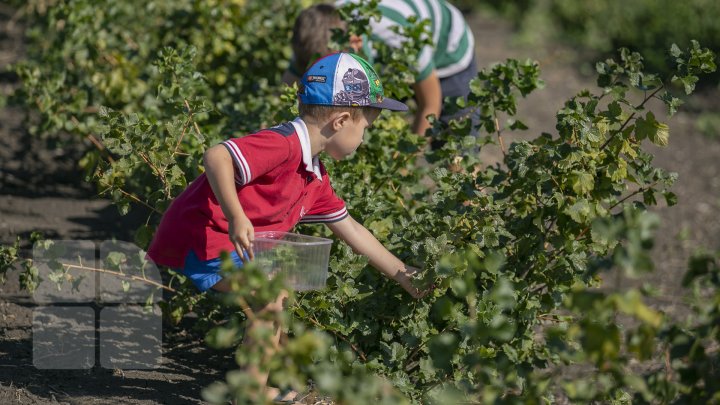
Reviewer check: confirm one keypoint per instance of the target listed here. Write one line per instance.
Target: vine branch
(627, 121)
(119, 274)
(132, 197)
(343, 338)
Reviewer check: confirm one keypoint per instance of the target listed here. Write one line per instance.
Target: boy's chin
(337, 155)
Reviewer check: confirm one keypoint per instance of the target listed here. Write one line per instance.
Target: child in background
(273, 179)
(444, 69)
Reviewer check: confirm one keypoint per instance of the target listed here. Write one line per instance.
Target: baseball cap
(345, 79)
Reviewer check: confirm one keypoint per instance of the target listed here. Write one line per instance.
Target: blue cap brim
(390, 104)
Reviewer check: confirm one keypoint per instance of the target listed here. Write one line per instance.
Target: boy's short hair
(312, 32)
(324, 112)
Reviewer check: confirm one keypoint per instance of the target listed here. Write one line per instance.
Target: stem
(119, 274)
(100, 147)
(638, 191)
(133, 197)
(538, 287)
(182, 135)
(160, 174)
(627, 121)
(582, 233)
(550, 226)
(418, 348)
(668, 368)
(499, 135)
(197, 128)
(548, 317)
(413, 354)
(395, 167)
(185, 127)
(246, 309)
(343, 338)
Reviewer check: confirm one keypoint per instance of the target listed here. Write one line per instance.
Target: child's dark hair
(311, 33)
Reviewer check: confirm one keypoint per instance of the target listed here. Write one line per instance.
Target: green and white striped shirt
(452, 46)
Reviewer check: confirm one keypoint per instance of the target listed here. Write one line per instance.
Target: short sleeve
(328, 207)
(425, 63)
(257, 154)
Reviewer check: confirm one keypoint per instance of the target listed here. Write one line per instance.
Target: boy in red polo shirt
(272, 180)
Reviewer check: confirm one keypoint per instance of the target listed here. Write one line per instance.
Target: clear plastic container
(302, 258)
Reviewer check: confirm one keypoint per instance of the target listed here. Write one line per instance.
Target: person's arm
(220, 172)
(363, 242)
(428, 95)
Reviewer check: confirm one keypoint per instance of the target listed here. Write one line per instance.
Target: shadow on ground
(185, 368)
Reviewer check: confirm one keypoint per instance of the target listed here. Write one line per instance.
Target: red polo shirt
(278, 182)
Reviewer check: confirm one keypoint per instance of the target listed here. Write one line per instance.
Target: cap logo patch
(356, 89)
(317, 78)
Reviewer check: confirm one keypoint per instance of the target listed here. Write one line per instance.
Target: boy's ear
(340, 120)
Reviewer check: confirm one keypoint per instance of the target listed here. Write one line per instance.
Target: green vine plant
(515, 249)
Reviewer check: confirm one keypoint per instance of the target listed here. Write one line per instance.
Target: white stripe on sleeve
(240, 161)
(334, 217)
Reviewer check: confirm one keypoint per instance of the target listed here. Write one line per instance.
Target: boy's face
(349, 137)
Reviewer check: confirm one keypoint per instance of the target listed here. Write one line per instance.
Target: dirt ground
(42, 190)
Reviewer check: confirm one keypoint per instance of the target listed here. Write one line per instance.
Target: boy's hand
(404, 278)
(242, 235)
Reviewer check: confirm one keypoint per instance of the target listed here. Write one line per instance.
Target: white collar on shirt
(312, 164)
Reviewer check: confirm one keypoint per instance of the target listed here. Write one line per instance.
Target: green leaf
(582, 182)
(579, 211)
(115, 259)
(517, 125)
(494, 261)
(670, 198)
(661, 135)
(618, 171)
(672, 103)
(216, 393)
(442, 348)
(143, 236)
(675, 51)
(650, 128)
(221, 337)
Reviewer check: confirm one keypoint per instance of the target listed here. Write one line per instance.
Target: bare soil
(41, 189)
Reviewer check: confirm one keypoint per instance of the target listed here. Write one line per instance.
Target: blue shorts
(205, 273)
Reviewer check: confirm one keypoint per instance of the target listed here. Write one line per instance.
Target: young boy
(444, 69)
(273, 180)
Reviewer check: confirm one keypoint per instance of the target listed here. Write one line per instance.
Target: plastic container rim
(267, 236)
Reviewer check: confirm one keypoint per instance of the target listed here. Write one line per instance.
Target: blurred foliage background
(601, 26)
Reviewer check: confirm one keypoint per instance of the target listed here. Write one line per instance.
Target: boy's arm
(428, 95)
(363, 242)
(220, 172)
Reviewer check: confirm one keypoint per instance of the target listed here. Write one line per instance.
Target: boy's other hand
(242, 236)
(404, 278)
